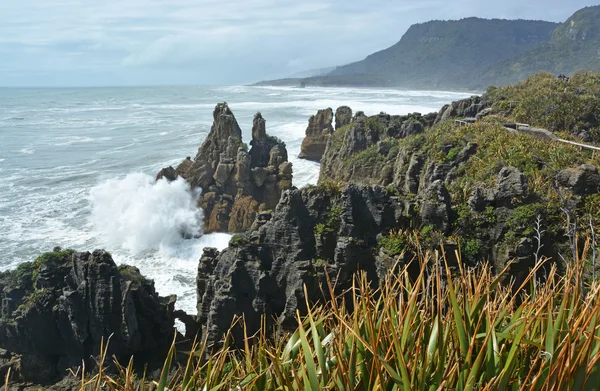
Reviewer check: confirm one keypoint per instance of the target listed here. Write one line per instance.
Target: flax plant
(445, 328)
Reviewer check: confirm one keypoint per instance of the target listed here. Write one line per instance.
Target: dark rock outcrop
(364, 151)
(319, 130)
(343, 117)
(311, 232)
(57, 310)
(236, 184)
(583, 180)
(468, 108)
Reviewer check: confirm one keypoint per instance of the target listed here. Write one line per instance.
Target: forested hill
(438, 54)
(575, 46)
(474, 53)
(442, 53)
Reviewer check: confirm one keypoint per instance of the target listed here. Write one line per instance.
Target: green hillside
(447, 53)
(474, 53)
(575, 46)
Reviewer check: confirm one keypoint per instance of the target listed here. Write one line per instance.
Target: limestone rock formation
(362, 152)
(469, 107)
(343, 116)
(493, 215)
(236, 183)
(319, 130)
(57, 310)
(581, 181)
(310, 231)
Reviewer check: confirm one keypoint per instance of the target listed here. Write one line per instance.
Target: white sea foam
(28, 150)
(144, 222)
(80, 139)
(139, 215)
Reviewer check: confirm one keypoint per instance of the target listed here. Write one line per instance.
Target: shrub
(330, 222)
(238, 240)
(395, 242)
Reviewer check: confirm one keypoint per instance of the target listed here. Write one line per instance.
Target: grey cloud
(78, 42)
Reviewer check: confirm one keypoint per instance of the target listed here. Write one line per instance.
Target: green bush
(395, 242)
(330, 222)
(238, 240)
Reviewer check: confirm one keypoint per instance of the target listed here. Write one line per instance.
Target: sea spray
(144, 223)
(139, 215)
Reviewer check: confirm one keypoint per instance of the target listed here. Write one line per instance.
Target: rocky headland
(390, 187)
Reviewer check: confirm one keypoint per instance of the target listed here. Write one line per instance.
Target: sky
(209, 42)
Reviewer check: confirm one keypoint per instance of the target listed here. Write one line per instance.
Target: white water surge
(140, 215)
(157, 226)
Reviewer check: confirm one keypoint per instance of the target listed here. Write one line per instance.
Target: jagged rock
(285, 170)
(218, 220)
(343, 116)
(264, 273)
(64, 305)
(317, 133)
(277, 155)
(259, 128)
(259, 175)
(469, 107)
(223, 173)
(412, 179)
(184, 166)
(583, 180)
(477, 201)
(342, 161)
(483, 113)
(436, 208)
(512, 183)
(411, 128)
(242, 214)
(232, 179)
(167, 173)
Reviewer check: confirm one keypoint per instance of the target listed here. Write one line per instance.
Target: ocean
(77, 166)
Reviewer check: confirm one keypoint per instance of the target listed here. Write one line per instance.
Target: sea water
(77, 166)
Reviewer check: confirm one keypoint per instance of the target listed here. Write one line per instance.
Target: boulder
(511, 183)
(436, 207)
(583, 180)
(167, 173)
(469, 107)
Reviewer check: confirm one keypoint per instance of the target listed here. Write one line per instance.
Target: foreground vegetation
(447, 328)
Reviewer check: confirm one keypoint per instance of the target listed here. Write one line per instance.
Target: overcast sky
(147, 42)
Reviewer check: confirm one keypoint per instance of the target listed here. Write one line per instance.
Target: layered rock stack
(236, 184)
(313, 231)
(343, 117)
(363, 151)
(320, 129)
(58, 310)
